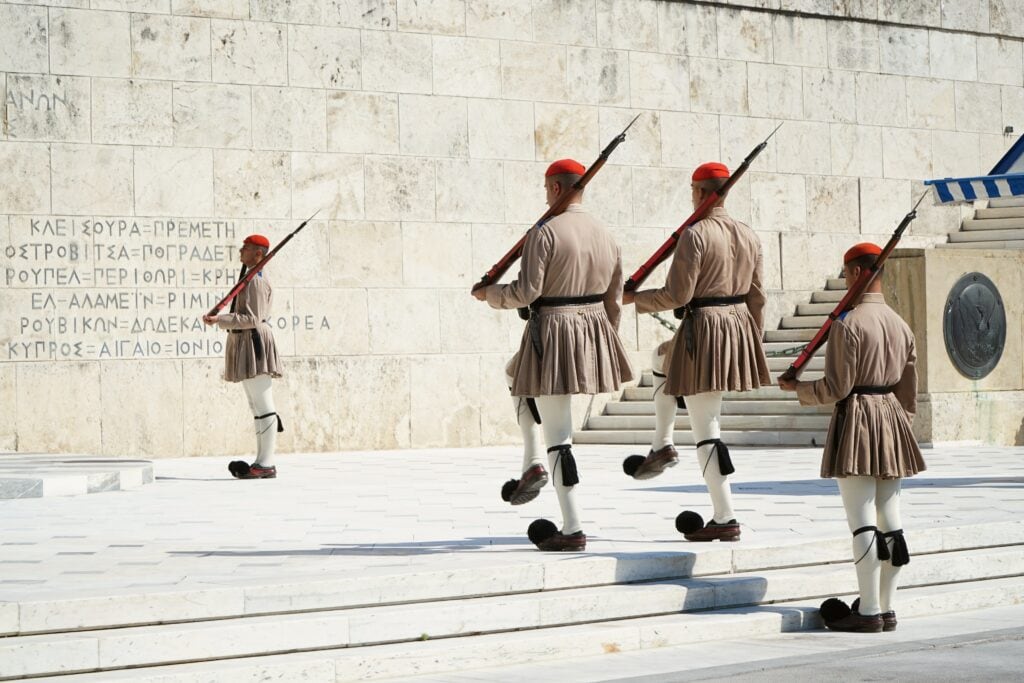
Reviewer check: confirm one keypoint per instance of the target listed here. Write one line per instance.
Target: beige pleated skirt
(581, 354)
(874, 439)
(728, 353)
(241, 361)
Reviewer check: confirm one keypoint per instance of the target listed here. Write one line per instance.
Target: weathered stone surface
(329, 183)
(906, 153)
(830, 95)
(853, 45)
(75, 51)
(131, 112)
(252, 184)
(24, 33)
(373, 14)
(471, 326)
(505, 19)
(1013, 106)
(154, 6)
(833, 204)
(135, 393)
(365, 254)
(808, 260)
(459, 422)
(224, 9)
(628, 24)
(597, 76)
(801, 41)
(688, 140)
(778, 202)
(470, 67)
(931, 104)
(770, 91)
(739, 136)
(718, 86)
(8, 391)
(25, 176)
(436, 254)
(965, 15)
(171, 47)
(469, 191)
(686, 29)
(323, 57)
(70, 390)
(1006, 16)
(660, 199)
(92, 179)
(803, 147)
(644, 148)
(565, 130)
(173, 182)
(218, 417)
(917, 12)
(956, 154)
(974, 118)
(291, 11)
(399, 188)
(883, 203)
(748, 35)
(1000, 61)
(48, 108)
(347, 314)
(289, 119)
(251, 52)
(501, 129)
(212, 115)
(881, 100)
(573, 22)
(432, 16)
(953, 55)
(433, 126)
(305, 262)
(531, 71)
(396, 62)
(524, 192)
(856, 150)
(660, 82)
(904, 51)
(359, 122)
(404, 321)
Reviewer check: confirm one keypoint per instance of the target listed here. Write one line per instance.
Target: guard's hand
(210, 319)
(480, 294)
(628, 298)
(788, 384)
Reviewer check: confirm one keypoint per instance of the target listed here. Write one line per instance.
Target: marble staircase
(393, 623)
(991, 228)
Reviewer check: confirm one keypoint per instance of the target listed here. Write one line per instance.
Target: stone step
(815, 422)
(355, 628)
(775, 364)
(835, 283)
(988, 224)
(812, 322)
(773, 437)
(827, 296)
(791, 335)
(728, 408)
(1014, 244)
(792, 348)
(1005, 212)
(768, 393)
(1016, 235)
(814, 309)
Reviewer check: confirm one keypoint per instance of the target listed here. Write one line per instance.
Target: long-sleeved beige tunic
(571, 255)
(871, 435)
(248, 329)
(716, 257)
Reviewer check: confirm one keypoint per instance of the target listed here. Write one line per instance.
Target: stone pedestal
(952, 405)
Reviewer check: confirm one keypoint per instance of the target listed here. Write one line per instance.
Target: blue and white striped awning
(979, 187)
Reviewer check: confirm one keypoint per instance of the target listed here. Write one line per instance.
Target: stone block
(437, 255)
(688, 140)
(173, 182)
(491, 241)
(993, 147)
(433, 126)
(833, 204)
(1000, 61)
(661, 197)
(470, 67)
(24, 39)
(628, 25)
(212, 115)
(48, 108)
(974, 118)
(856, 150)
(371, 14)
(222, 9)
(956, 154)
(809, 259)
(365, 254)
(75, 51)
(437, 16)
(883, 203)
(292, 119)
(686, 29)
(771, 275)
(131, 112)
(252, 52)
(142, 408)
(739, 137)
(469, 191)
(323, 57)
(778, 202)
(906, 153)
(329, 183)
(954, 56)
(904, 50)
(171, 47)
(1013, 108)
(597, 76)
(853, 45)
(659, 81)
(404, 321)
(917, 12)
(505, 19)
(934, 220)
(532, 71)
(966, 15)
(801, 41)
(881, 100)
(501, 129)
(644, 148)
(399, 188)
(830, 95)
(770, 91)
(359, 122)
(252, 184)
(396, 62)
(306, 261)
(459, 423)
(609, 196)
(718, 86)
(744, 35)
(573, 22)
(566, 130)
(524, 192)
(219, 420)
(151, 6)
(69, 389)
(291, 12)
(340, 322)
(931, 104)
(803, 147)
(497, 414)
(24, 177)
(92, 180)
(8, 441)
(471, 326)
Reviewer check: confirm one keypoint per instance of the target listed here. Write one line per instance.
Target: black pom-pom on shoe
(834, 609)
(238, 468)
(541, 530)
(508, 489)
(631, 464)
(689, 521)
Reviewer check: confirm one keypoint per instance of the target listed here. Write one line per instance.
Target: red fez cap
(862, 249)
(565, 166)
(258, 240)
(712, 169)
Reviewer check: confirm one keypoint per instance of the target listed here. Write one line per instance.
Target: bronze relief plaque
(974, 325)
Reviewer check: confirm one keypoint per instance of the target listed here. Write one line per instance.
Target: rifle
(852, 294)
(499, 268)
(637, 278)
(252, 272)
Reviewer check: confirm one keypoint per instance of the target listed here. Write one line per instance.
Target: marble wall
(141, 139)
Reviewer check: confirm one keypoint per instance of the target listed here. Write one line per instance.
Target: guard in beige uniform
(714, 284)
(571, 279)
(870, 375)
(251, 358)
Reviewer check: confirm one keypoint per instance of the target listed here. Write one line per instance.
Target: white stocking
(664, 406)
(888, 506)
(556, 415)
(858, 494)
(704, 410)
(261, 400)
(528, 427)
